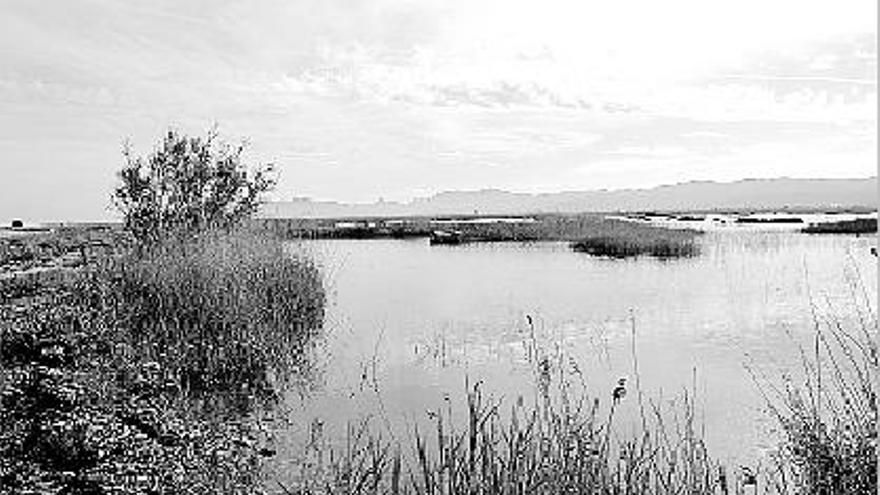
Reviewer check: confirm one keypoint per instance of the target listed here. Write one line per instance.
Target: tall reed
(619, 239)
(227, 312)
(826, 411)
(559, 440)
(855, 226)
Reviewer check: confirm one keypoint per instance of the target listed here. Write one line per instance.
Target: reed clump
(618, 239)
(227, 312)
(856, 226)
(144, 372)
(826, 411)
(590, 233)
(560, 440)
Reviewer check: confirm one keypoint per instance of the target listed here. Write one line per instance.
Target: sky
(360, 100)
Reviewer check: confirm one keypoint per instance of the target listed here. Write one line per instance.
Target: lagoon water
(407, 323)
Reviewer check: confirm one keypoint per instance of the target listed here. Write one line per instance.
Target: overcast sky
(357, 100)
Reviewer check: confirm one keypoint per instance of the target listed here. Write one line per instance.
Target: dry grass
(826, 412)
(857, 226)
(618, 239)
(226, 312)
(589, 233)
(560, 440)
(142, 375)
(658, 246)
(82, 415)
(60, 248)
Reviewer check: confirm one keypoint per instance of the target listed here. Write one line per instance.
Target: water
(408, 322)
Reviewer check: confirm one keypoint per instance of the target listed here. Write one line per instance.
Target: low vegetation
(765, 220)
(591, 234)
(223, 311)
(81, 415)
(856, 226)
(142, 371)
(588, 233)
(827, 411)
(559, 438)
(142, 367)
(624, 239)
(60, 247)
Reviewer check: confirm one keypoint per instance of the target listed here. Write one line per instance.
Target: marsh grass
(826, 411)
(230, 314)
(590, 233)
(561, 439)
(147, 372)
(68, 424)
(856, 226)
(618, 239)
(663, 246)
(60, 248)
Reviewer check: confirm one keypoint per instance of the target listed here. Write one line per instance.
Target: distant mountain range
(748, 194)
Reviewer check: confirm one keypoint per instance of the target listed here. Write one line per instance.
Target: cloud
(716, 78)
(651, 151)
(357, 99)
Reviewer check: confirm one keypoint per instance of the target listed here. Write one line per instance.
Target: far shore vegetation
(589, 233)
(857, 226)
(144, 358)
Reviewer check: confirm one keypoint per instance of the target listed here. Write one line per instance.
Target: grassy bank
(61, 247)
(223, 311)
(143, 373)
(857, 226)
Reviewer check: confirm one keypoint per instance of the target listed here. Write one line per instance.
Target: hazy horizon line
(297, 199)
(111, 216)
